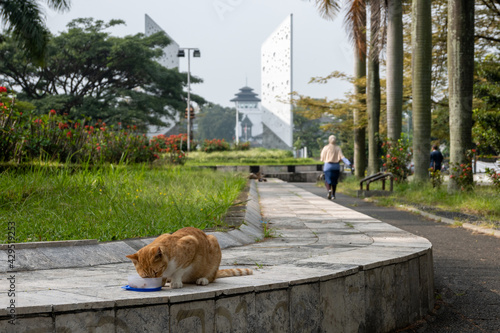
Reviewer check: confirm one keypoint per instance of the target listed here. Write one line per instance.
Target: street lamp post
(196, 54)
(237, 129)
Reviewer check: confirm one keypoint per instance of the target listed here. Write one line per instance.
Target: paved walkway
(466, 268)
(317, 243)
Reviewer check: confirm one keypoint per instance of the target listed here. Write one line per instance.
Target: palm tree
(373, 86)
(421, 89)
(25, 20)
(460, 77)
(394, 68)
(355, 21)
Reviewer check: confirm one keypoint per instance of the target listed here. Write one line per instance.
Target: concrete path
(466, 267)
(327, 268)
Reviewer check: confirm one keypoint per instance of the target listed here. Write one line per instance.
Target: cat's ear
(133, 257)
(157, 253)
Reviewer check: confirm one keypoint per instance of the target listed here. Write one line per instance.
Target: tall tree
(355, 21)
(421, 82)
(373, 86)
(461, 71)
(216, 122)
(394, 68)
(360, 90)
(24, 19)
(93, 74)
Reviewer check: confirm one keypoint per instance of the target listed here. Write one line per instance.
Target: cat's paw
(175, 285)
(202, 281)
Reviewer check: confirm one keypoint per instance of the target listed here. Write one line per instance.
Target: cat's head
(148, 262)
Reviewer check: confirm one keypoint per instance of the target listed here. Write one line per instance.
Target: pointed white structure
(276, 87)
(169, 59)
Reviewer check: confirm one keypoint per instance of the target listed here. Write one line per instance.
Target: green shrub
(494, 176)
(210, 146)
(462, 173)
(25, 137)
(397, 157)
(242, 146)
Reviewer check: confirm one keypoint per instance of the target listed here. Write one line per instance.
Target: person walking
(331, 155)
(436, 158)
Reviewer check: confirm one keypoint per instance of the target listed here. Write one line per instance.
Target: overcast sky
(229, 34)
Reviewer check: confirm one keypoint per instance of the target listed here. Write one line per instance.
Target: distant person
(331, 155)
(436, 158)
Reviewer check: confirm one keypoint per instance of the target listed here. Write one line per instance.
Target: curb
(469, 226)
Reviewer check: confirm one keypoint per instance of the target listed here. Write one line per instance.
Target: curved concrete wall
(328, 269)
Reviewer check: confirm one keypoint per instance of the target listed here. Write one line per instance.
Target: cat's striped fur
(186, 256)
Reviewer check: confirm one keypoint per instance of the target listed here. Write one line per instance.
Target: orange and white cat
(186, 256)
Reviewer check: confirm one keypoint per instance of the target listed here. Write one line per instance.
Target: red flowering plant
(105, 144)
(24, 137)
(54, 137)
(171, 147)
(14, 115)
(242, 146)
(461, 173)
(209, 146)
(397, 158)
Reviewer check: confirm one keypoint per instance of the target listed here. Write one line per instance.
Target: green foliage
(494, 176)
(113, 202)
(307, 132)
(90, 73)
(12, 114)
(25, 20)
(462, 173)
(209, 146)
(436, 178)
(397, 157)
(333, 117)
(241, 146)
(216, 122)
(486, 130)
(253, 156)
(27, 137)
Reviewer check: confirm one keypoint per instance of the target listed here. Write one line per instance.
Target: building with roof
(249, 123)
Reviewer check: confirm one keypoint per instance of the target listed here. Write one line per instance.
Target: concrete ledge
(80, 253)
(329, 269)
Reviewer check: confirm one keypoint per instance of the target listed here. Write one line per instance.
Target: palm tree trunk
(373, 96)
(421, 89)
(394, 69)
(460, 77)
(360, 90)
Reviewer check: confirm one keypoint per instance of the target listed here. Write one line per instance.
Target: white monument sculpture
(276, 87)
(168, 60)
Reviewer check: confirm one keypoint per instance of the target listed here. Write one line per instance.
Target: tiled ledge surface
(327, 269)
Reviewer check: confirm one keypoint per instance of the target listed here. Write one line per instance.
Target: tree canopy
(216, 122)
(24, 19)
(90, 73)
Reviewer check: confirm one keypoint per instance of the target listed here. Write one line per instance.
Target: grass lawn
(254, 156)
(110, 203)
(483, 202)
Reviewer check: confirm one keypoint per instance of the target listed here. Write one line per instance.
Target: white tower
(249, 129)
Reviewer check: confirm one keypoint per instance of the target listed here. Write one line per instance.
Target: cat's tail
(222, 273)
